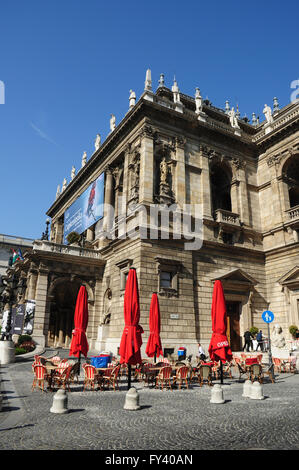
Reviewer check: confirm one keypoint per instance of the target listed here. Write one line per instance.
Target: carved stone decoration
(107, 303)
(117, 174)
(238, 164)
(134, 168)
(147, 131)
(274, 160)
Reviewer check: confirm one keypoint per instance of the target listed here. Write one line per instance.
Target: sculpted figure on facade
(63, 185)
(268, 114)
(112, 122)
(73, 173)
(233, 118)
(163, 171)
(84, 158)
(97, 142)
(277, 337)
(198, 101)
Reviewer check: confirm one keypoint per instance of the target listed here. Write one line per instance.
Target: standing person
(248, 342)
(201, 353)
(259, 338)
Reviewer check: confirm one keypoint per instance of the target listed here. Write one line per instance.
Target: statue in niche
(134, 168)
(163, 171)
(107, 307)
(277, 337)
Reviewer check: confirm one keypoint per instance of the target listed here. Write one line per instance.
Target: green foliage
(293, 329)
(73, 237)
(254, 330)
(20, 350)
(24, 339)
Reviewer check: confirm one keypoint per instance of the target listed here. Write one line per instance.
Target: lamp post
(7, 349)
(45, 235)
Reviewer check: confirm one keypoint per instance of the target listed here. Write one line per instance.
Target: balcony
(293, 214)
(72, 250)
(226, 217)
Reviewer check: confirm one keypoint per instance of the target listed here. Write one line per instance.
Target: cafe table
(51, 369)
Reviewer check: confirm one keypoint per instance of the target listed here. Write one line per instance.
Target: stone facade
(166, 152)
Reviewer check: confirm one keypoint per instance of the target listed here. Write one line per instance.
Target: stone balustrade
(293, 213)
(73, 250)
(227, 217)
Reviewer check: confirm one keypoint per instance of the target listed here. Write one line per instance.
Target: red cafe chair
(181, 376)
(164, 377)
(90, 376)
(40, 375)
(111, 376)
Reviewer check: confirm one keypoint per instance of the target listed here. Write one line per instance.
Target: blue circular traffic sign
(268, 316)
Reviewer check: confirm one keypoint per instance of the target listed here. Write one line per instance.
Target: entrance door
(233, 325)
(62, 314)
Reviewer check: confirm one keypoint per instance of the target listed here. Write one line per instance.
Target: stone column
(40, 307)
(146, 188)
(31, 288)
(180, 177)
(205, 184)
(239, 166)
(108, 198)
(276, 208)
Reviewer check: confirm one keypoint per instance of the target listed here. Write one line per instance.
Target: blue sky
(68, 64)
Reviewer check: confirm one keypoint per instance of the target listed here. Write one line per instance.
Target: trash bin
(182, 354)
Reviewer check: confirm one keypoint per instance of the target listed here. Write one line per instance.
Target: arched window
(291, 178)
(221, 187)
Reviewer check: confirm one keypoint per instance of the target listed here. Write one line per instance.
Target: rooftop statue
(84, 158)
(233, 118)
(97, 142)
(73, 172)
(268, 114)
(112, 122)
(63, 185)
(198, 101)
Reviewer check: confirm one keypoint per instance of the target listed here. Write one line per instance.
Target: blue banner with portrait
(86, 210)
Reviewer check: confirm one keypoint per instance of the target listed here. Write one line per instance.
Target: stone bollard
(247, 389)
(7, 352)
(132, 400)
(59, 402)
(217, 394)
(256, 391)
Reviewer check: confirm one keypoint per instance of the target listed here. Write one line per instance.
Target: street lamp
(7, 349)
(45, 235)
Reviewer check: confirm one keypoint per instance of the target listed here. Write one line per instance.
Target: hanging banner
(29, 317)
(86, 210)
(17, 319)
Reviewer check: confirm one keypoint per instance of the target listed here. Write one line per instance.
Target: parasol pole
(129, 376)
(221, 372)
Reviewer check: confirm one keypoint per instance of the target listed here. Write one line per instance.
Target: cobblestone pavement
(167, 420)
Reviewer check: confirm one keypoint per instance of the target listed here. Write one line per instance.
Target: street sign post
(268, 318)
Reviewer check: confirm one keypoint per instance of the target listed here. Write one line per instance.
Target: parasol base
(217, 394)
(132, 400)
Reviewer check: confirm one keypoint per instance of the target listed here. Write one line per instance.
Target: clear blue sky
(68, 64)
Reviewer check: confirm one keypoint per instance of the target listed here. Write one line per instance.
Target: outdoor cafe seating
(40, 375)
(182, 376)
(111, 377)
(91, 378)
(164, 377)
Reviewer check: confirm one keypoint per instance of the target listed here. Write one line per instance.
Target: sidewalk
(168, 420)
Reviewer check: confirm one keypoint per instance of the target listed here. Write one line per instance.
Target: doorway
(62, 311)
(233, 325)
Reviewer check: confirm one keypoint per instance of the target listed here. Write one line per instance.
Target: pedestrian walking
(201, 353)
(248, 340)
(260, 343)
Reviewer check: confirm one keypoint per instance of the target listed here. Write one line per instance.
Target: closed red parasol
(154, 347)
(131, 340)
(219, 348)
(79, 342)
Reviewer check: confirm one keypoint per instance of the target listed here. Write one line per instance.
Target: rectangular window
(166, 278)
